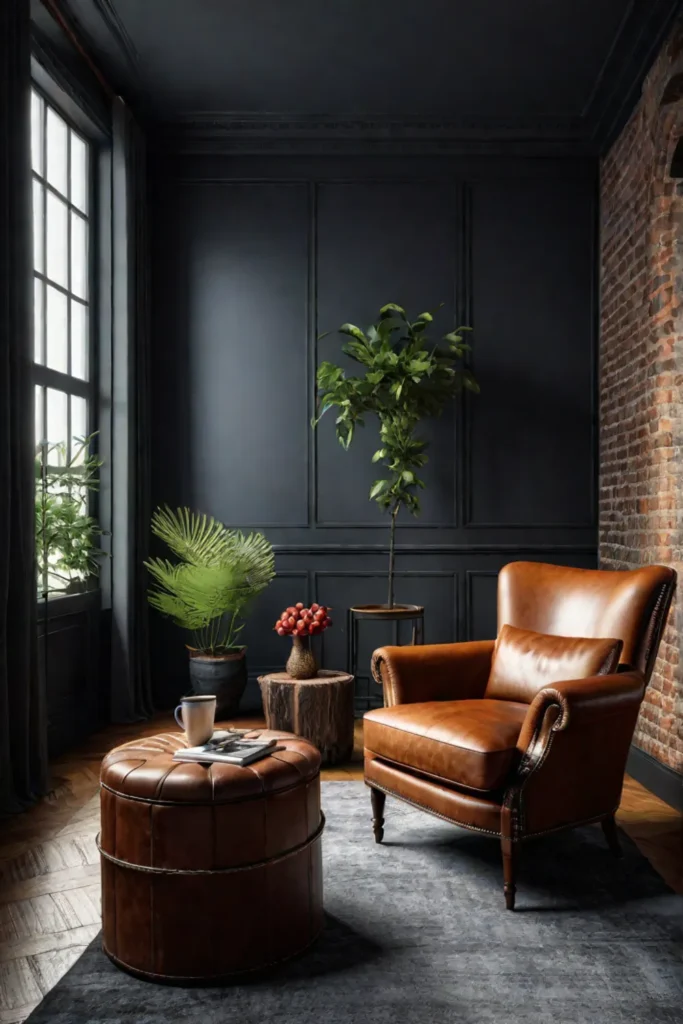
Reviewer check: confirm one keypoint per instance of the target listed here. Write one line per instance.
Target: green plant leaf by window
(68, 552)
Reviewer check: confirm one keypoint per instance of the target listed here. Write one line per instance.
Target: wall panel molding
(323, 549)
(474, 215)
(451, 560)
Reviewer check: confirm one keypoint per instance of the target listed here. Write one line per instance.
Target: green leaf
(408, 476)
(378, 488)
(353, 331)
(375, 376)
(358, 351)
(328, 374)
(392, 308)
(427, 317)
(381, 453)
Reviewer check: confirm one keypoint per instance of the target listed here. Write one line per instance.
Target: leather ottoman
(209, 870)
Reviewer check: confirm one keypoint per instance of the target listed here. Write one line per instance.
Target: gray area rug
(416, 931)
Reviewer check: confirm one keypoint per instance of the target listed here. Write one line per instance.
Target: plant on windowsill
(406, 379)
(208, 591)
(67, 537)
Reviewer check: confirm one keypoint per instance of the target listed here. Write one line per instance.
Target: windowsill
(59, 605)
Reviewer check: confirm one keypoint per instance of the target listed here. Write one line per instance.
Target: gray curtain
(131, 695)
(23, 728)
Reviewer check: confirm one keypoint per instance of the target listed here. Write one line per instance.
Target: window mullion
(43, 230)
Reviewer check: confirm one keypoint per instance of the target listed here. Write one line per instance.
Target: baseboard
(661, 780)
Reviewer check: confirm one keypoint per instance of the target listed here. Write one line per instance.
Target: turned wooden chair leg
(609, 827)
(378, 799)
(510, 860)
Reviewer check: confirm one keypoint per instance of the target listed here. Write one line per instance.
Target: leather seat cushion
(470, 743)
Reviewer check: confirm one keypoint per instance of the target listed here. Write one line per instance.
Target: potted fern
(406, 378)
(207, 592)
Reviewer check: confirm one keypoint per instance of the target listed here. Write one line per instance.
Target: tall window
(62, 208)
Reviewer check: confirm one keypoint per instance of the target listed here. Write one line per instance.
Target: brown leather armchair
(519, 768)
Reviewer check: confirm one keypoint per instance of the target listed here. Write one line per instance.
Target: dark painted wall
(253, 257)
(72, 659)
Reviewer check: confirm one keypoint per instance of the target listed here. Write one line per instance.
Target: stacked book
(229, 747)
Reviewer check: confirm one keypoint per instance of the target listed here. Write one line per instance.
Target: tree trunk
(320, 710)
(392, 553)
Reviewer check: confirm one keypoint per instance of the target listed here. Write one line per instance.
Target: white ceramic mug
(195, 715)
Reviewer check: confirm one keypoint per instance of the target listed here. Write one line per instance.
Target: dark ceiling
(478, 59)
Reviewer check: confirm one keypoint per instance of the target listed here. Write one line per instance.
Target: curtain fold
(23, 722)
(131, 692)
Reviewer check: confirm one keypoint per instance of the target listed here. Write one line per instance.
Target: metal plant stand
(381, 613)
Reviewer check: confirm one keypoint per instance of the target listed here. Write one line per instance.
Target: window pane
(38, 255)
(39, 415)
(57, 335)
(57, 143)
(79, 256)
(79, 421)
(79, 172)
(57, 423)
(79, 340)
(37, 320)
(56, 268)
(36, 132)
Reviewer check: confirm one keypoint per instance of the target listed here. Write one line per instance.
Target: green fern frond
(220, 572)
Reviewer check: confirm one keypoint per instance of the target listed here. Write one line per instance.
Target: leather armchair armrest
(573, 748)
(578, 701)
(433, 671)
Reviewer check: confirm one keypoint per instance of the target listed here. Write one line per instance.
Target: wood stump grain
(319, 709)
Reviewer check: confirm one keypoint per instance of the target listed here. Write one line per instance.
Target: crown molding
(642, 33)
(118, 32)
(235, 132)
(80, 90)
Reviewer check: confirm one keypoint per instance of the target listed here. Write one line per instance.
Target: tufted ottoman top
(145, 769)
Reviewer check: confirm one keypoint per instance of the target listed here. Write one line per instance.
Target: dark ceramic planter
(224, 675)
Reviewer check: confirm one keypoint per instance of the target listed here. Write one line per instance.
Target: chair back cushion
(557, 599)
(524, 662)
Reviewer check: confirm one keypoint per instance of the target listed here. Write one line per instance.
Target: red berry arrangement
(298, 620)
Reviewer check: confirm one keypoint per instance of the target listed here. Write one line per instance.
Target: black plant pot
(224, 675)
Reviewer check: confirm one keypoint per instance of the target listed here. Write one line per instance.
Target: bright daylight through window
(65, 469)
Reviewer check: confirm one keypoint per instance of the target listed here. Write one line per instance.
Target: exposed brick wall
(641, 372)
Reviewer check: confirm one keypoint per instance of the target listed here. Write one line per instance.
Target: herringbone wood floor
(49, 872)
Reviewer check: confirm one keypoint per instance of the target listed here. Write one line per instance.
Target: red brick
(641, 375)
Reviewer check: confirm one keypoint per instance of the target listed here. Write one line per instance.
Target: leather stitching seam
(204, 803)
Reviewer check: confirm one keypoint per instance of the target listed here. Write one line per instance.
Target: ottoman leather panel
(189, 850)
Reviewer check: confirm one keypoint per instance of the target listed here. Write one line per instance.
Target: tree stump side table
(320, 710)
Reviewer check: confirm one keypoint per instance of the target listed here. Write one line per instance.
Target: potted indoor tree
(207, 592)
(406, 379)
